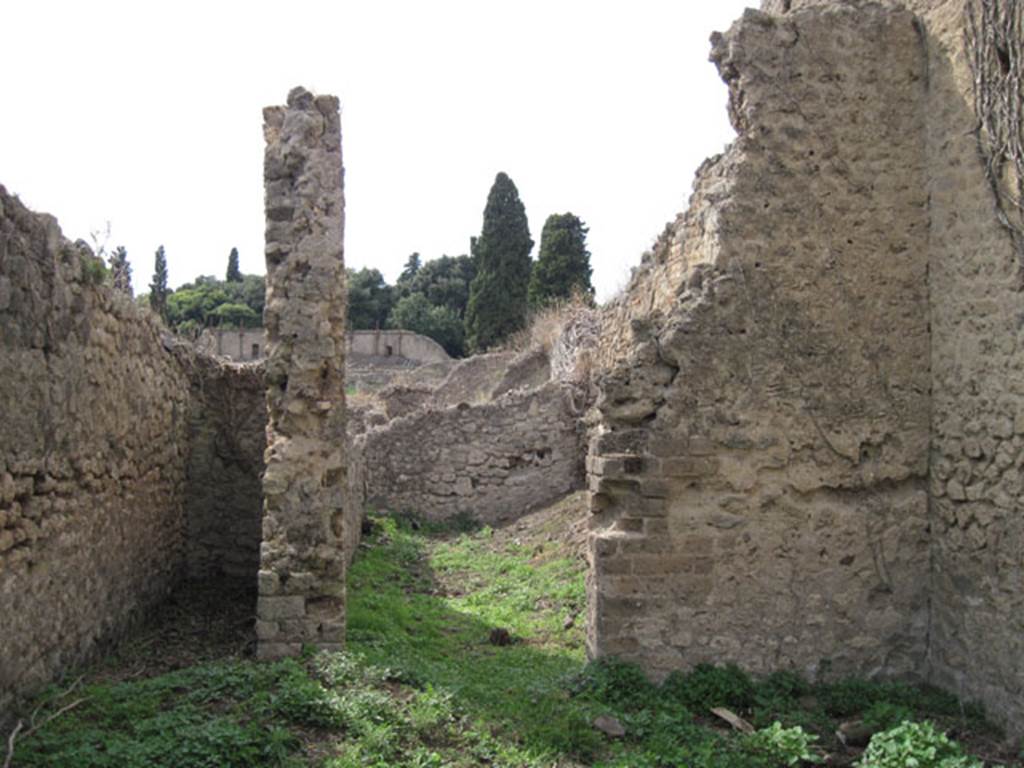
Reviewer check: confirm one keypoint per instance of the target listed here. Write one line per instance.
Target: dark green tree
(445, 282)
(121, 270)
(412, 266)
(234, 273)
(369, 299)
(234, 316)
(415, 313)
(158, 290)
(497, 297)
(563, 265)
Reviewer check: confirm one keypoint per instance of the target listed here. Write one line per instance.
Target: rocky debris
(609, 726)
(500, 636)
(855, 733)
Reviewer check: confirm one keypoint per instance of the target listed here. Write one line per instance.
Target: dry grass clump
(545, 326)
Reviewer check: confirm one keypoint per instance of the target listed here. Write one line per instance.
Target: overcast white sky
(148, 115)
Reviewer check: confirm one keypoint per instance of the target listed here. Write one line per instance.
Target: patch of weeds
(707, 686)
(94, 271)
(883, 715)
(420, 685)
(848, 697)
(620, 684)
(431, 714)
(153, 723)
(920, 745)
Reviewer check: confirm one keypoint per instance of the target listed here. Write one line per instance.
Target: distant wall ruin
(242, 345)
(399, 344)
(493, 461)
(247, 344)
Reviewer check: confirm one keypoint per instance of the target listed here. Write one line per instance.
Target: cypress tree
(158, 290)
(497, 296)
(234, 273)
(563, 265)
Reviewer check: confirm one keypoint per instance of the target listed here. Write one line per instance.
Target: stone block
(281, 607)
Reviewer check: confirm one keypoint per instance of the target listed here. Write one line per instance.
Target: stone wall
(403, 344)
(224, 491)
(305, 485)
(93, 455)
(758, 469)
(977, 624)
(976, 628)
(494, 461)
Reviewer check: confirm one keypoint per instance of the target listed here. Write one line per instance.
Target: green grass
(421, 685)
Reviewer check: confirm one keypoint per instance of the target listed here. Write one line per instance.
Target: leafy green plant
(94, 272)
(784, 746)
(915, 745)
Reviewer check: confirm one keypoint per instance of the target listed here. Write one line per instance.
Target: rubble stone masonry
(493, 461)
(758, 474)
(302, 558)
(94, 419)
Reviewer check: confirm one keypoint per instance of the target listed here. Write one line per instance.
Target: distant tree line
(235, 302)
(475, 302)
(467, 303)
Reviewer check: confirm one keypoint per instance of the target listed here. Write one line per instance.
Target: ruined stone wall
(976, 638)
(93, 435)
(758, 467)
(493, 461)
(305, 485)
(977, 625)
(224, 491)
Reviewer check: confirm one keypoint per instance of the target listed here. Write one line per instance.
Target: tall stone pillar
(302, 558)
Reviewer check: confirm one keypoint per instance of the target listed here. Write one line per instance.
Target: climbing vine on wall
(994, 35)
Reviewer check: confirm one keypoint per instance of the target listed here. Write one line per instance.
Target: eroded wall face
(494, 461)
(977, 628)
(758, 476)
(302, 558)
(94, 413)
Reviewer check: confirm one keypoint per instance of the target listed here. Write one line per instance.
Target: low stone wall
(493, 461)
(224, 493)
(472, 380)
(93, 455)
